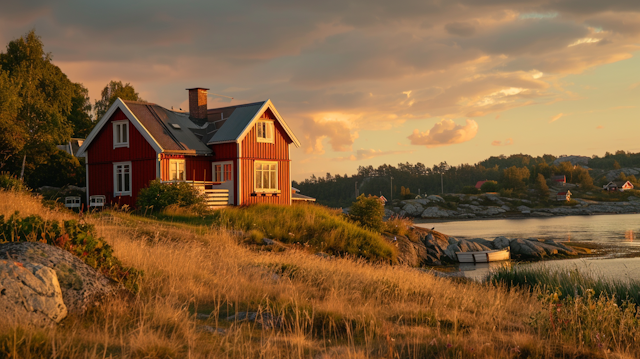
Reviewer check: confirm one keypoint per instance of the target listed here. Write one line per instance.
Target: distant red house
(480, 183)
(237, 155)
(559, 179)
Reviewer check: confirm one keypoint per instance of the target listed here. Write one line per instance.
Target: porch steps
(215, 198)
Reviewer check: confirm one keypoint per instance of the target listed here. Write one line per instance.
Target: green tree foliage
(368, 211)
(110, 94)
(161, 195)
(515, 177)
(616, 165)
(470, 190)
(582, 177)
(12, 135)
(36, 101)
(490, 186)
(59, 170)
(80, 116)
(541, 186)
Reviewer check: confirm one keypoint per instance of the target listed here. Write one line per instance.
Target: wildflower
(449, 345)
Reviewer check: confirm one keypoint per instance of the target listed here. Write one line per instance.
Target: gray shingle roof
(235, 120)
(173, 131)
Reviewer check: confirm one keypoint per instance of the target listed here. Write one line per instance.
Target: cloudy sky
(372, 81)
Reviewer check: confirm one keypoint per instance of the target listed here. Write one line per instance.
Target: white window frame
(257, 189)
(267, 130)
(117, 193)
(117, 130)
(173, 166)
(214, 177)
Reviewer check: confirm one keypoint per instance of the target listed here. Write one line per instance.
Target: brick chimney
(198, 103)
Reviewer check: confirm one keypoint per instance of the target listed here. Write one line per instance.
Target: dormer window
(264, 130)
(120, 134)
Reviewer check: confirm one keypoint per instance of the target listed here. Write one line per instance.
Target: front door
(223, 180)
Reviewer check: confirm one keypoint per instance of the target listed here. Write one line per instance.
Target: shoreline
(420, 220)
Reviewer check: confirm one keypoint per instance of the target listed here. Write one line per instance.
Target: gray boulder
(485, 243)
(413, 209)
(451, 250)
(435, 198)
(526, 249)
(501, 242)
(434, 212)
(81, 285)
(30, 294)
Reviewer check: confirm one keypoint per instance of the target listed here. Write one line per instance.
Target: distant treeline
(340, 191)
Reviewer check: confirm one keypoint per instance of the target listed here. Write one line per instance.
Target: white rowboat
(483, 256)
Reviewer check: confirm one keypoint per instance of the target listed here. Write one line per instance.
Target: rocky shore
(494, 206)
(432, 248)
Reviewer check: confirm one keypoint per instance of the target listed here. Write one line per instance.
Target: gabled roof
(175, 132)
(241, 118)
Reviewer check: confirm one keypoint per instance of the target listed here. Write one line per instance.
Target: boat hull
(483, 256)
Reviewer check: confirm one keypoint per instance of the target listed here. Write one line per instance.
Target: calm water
(619, 229)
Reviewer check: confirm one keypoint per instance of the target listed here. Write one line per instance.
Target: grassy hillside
(324, 308)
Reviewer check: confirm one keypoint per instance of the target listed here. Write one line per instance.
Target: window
(222, 172)
(266, 176)
(176, 170)
(227, 172)
(120, 134)
(122, 179)
(264, 130)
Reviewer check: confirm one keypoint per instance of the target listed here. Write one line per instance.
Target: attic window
(175, 125)
(264, 131)
(120, 134)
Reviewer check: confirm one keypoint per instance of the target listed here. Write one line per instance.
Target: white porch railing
(213, 197)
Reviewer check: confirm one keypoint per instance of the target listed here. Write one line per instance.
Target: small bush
(78, 238)
(12, 183)
(470, 190)
(368, 212)
(161, 195)
(490, 186)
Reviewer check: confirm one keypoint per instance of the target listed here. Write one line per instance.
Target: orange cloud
(556, 117)
(507, 142)
(599, 127)
(365, 154)
(445, 132)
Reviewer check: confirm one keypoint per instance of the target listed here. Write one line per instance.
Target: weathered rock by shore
(434, 248)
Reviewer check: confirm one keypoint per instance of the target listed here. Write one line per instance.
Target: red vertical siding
(101, 155)
(278, 151)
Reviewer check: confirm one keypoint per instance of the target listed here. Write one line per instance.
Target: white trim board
(119, 104)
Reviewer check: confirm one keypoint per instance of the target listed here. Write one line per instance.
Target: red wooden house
(238, 155)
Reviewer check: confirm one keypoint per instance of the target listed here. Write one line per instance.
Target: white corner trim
(239, 177)
(86, 177)
(119, 104)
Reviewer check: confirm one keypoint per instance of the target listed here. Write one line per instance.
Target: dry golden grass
(330, 308)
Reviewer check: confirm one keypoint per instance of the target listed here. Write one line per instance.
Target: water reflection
(618, 228)
(629, 235)
(610, 268)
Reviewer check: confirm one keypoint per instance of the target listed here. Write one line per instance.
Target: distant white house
(563, 196)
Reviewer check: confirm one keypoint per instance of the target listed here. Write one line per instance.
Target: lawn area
(197, 275)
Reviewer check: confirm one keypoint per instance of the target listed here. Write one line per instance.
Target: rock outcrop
(81, 285)
(491, 205)
(30, 294)
(434, 248)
